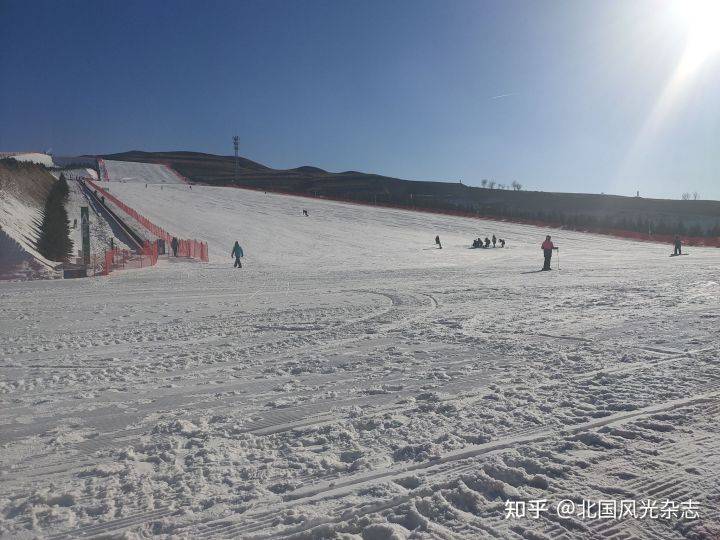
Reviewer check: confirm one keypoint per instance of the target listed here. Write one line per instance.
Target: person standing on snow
(174, 245)
(494, 240)
(547, 247)
(678, 246)
(437, 241)
(237, 252)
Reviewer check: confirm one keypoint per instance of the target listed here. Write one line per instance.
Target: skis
(678, 254)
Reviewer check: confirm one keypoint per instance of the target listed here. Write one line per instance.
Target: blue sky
(591, 100)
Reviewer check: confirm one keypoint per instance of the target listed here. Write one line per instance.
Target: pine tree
(54, 242)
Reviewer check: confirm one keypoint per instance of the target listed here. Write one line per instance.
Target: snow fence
(122, 259)
(148, 253)
(103, 170)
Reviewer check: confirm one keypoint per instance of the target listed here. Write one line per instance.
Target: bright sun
(701, 18)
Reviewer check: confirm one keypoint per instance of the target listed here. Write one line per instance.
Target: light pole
(236, 144)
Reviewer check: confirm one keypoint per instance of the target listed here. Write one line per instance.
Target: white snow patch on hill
(146, 173)
(34, 157)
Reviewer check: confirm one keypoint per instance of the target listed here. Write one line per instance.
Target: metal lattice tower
(236, 144)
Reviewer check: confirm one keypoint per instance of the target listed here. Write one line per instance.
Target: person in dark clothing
(487, 242)
(437, 241)
(305, 213)
(494, 240)
(237, 252)
(548, 247)
(174, 245)
(678, 246)
(502, 243)
(476, 243)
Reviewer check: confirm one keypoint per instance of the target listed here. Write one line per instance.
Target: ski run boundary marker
(148, 255)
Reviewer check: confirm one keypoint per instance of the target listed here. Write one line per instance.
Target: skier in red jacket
(547, 247)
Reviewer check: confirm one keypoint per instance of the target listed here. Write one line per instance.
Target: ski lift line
(100, 209)
(134, 237)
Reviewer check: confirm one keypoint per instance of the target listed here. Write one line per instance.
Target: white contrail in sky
(505, 95)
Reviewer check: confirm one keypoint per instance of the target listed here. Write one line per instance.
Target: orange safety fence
(120, 259)
(145, 222)
(103, 170)
(192, 248)
(147, 255)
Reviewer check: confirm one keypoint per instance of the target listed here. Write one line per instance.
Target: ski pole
(558, 252)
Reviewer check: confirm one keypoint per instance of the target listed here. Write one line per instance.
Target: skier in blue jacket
(237, 252)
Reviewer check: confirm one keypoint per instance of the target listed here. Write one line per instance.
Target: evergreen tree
(54, 242)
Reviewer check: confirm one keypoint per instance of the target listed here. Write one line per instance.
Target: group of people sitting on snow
(478, 242)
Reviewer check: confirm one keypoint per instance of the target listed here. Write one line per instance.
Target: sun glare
(701, 20)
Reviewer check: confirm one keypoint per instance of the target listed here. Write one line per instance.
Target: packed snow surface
(147, 173)
(354, 381)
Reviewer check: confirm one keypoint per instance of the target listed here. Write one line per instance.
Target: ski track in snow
(352, 379)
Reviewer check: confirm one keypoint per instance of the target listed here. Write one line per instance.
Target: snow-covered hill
(23, 189)
(273, 231)
(354, 381)
(31, 157)
(145, 173)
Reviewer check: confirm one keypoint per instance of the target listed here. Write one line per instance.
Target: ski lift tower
(236, 144)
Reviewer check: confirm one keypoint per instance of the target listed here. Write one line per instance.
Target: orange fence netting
(147, 255)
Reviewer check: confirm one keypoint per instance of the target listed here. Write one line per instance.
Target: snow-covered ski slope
(354, 381)
(146, 173)
(273, 232)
